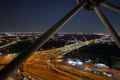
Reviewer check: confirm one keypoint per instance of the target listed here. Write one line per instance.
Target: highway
(48, 68)
(46, 65)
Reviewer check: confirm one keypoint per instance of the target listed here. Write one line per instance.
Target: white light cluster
(100, 65)
(75, 62)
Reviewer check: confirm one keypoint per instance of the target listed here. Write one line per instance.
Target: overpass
(44, 65)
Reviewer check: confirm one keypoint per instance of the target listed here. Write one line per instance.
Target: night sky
(39, 15)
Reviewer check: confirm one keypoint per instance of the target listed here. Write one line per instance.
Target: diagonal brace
(112, 7)
(14, 65)
(108, 25)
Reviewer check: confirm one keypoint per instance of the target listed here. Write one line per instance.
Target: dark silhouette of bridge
(93, 5)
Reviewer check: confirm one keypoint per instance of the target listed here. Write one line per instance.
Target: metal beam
(112, 7)
(108, 25)
(9, 44)
(14, 65)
